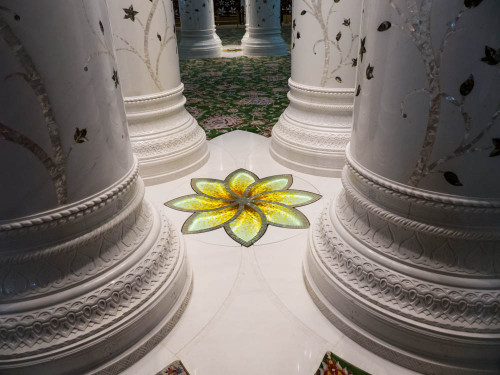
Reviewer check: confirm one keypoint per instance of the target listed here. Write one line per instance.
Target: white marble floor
(250, 312)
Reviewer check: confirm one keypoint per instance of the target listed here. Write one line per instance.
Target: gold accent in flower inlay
(244, 205)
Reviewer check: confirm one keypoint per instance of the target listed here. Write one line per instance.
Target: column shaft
(198, 37)
(312, 133)
(91, 275)
(406, 261)
(263, 29)
(165, 137)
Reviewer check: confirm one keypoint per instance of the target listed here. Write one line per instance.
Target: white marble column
(312, 133)
(263, 29)
(406, 261)
(165, 137)
(92, 276)
(198, 37)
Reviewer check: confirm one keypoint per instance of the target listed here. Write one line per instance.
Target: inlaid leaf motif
(298, 35)
(472, 3)
(294, 24)
(358, 90)
(336, 1)
(130, 13)
(101, 26)
(491, 57)
(303, 12)
(338, 79)
(452, 178)
(347, 22)
(496, 149)
(115, 78)
(339, 35)
(17, 17)
(158, 36)
(386, 25)
(362, 48)
(354, 62)
(467, 86)
(369, 72)
(80, 135)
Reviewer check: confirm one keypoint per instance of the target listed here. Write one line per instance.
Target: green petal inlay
(248, 227)
(269, 184)
(196, 203)
(208, 220)
(292, 198)
(281, 215)
(211, 187)
(239, 180)
(244, 205)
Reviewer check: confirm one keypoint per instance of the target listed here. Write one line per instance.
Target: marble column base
(425, 296)
(199, 44)
(259, 42)
(167, 140)
(313, 132)
(102, 296)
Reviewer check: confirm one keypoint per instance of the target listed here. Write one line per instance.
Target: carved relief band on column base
(109, 326)
(107, 288)
(313, 132)
(259, 42)
(167, 140)
(412, 288)
(199, 44)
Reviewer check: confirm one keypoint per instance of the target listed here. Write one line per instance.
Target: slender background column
(198, 37)
(312, 133)
(407, 260)
(165, 137)
(91, 275)
(263, 29)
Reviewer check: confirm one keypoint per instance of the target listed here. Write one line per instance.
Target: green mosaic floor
(239, 93)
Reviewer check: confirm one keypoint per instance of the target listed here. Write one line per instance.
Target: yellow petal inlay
(272, 183)
(247, 226)
(213, 188)
(290, 197)
(196, 203)
(239, 181)
(202, 221)
(283, 216)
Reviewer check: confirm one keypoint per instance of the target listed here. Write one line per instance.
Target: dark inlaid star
(130, 13)
(115, 78)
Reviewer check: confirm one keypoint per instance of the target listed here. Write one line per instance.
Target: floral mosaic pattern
(244, 205)
(175, 368)
(333, 365)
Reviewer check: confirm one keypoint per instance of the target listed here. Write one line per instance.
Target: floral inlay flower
(243, 205)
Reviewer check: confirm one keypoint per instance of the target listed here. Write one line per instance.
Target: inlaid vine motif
(416, 24)
(167, 35)
(54, 162)
(314, 8)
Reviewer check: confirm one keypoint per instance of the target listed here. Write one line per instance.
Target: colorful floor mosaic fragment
(175, 368)
(333, 365)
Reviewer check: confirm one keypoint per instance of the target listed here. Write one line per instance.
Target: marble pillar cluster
(263, 29)
(198, 37)
(312, 133)
(92, 275)
(406, 260)
(165, 137)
